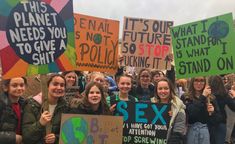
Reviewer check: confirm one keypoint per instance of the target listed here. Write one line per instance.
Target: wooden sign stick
(45, 104)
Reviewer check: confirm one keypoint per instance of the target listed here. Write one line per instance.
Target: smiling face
(156, 77)
(94, 96)
(163, 91)
(16, 87)
(70, 78)
(145, 78)
(124, 84)
(99, 79)
(56, 87)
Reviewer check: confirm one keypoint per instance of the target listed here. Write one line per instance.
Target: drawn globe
(218, 29)
(74, 130)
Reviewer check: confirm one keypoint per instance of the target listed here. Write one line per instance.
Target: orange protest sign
(96, 43)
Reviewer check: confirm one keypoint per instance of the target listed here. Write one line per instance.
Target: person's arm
(32, 130)
(216, 117)
(180, 122)
(179, 127)
(170, 74)
(8, 137)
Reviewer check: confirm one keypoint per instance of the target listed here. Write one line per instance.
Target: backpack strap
(131, 98)
(113, 100)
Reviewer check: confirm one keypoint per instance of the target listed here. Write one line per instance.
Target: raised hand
(210, 108)
(45, 118)
(113, 107)
(207, 91)
(50, 138)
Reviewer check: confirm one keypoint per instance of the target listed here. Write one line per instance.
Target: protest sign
(144, 122)
(96, 43)
(37, 37)
(204, 47)
(146, 43)
(90, 129)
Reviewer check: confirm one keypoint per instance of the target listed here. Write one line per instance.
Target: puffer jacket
(33, 132)
(8, 120)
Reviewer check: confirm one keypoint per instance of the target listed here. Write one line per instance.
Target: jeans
(198, 134)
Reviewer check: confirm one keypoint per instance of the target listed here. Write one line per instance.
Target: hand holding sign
(210, 108)
(113, 107)
(207, 94)
(50, 138)
(45, 118)
(232, 92)
(206, 91)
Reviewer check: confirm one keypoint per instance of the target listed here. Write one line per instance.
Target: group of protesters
(199, 106)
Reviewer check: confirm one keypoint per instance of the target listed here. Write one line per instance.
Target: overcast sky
(179, 11)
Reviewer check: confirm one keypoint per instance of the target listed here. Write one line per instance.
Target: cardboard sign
(90, 129)
(144, 122)
(96, 43)
(146, 43)
(36, 37)
(204, 47)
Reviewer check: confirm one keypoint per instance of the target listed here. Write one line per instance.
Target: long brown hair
(217, 86)
(67, 72)
(191, 94)
(172, 91)
(103, 104)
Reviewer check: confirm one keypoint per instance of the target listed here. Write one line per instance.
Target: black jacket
(196, 111)
(222, 101)
(82, 109)
(8, 120)
(143, 95)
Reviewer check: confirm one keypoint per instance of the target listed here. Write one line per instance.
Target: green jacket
(33, 132)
